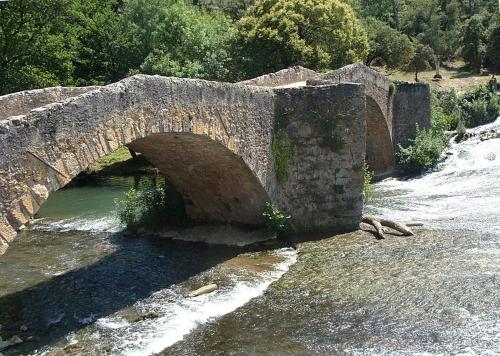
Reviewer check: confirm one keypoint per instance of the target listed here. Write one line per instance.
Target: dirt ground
(454, 77)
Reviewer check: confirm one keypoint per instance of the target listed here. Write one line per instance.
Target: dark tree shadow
(54, 308)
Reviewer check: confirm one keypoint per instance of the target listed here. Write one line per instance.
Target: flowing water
(82, 287)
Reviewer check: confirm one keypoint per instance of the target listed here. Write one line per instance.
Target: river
(82, 287)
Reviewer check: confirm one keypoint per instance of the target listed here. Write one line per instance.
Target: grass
(120, 162)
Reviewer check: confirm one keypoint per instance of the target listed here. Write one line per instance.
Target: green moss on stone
(282, 152)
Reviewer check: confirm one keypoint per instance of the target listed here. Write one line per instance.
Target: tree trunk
(378, 223)
(437, 63)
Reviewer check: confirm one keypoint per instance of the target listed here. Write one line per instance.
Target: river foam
(106, 223)
(463, 192)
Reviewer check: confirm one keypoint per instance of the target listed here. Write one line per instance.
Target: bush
(479, 106)
(461, 131)
(441, 122)
(153, 206)
(423, 152)
(448, 101)
(276, 221)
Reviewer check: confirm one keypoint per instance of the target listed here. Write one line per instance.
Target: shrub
(479, 106)
(276, 221)
(153, 206)
(441, 122)
(422, 152)
(461, 131)
(448, 101)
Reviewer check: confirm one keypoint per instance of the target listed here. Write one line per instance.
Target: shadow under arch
(379, 149)
(217, 185)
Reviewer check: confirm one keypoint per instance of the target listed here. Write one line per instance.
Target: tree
(473, 49)
(423, 18)
(319, 34)
(387, 44)
(189, 42)
(37, 45)
(422, 56)
(493, 47)
(231, 8)
(395, 15)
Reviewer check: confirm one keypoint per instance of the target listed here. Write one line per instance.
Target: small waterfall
(462, 192)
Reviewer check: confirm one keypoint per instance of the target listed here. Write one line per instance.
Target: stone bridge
(295, 138)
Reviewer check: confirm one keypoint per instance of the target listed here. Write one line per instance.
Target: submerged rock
(146, 316)
(14, 340)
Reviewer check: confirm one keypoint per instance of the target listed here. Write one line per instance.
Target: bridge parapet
(21, 103)
(283, 77)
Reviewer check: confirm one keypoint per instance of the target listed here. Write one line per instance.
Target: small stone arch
(379, 149)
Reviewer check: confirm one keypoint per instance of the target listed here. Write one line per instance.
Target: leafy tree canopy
(318, 34)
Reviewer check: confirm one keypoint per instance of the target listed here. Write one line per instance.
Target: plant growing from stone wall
(275, 220)
(392, 89)
(282, 151)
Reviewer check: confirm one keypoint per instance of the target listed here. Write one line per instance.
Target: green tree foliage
(188, 42)
(493, 43)
(422, 57)
(232, 8)
(381, 10)
(37, 46)
(473, 49)
(319, 34)
(388, 45)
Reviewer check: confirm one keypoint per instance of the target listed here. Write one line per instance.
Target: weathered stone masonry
(213, 140)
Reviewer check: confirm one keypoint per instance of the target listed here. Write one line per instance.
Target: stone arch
(230, 125)
(216, 184)
(379, 149)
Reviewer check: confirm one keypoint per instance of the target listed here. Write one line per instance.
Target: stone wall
(325, 127)
(411, 106)
(283, 77)
(23, 102)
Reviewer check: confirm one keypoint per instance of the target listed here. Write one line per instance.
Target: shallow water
(81, 287)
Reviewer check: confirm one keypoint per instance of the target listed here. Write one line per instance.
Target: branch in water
(378, 223)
